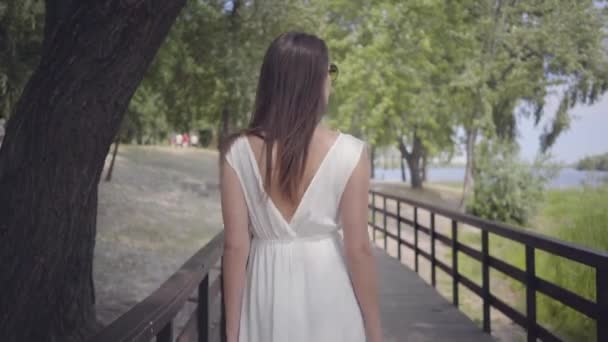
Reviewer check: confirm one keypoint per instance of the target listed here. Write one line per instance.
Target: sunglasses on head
(333, 71)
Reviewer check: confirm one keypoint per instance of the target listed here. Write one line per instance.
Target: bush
(508, 189)
(205, 136)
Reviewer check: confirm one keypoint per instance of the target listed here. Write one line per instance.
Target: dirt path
(161, 206)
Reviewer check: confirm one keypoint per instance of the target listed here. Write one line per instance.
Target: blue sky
(588, 133)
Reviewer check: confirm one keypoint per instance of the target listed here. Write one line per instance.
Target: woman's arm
(236, 247)
(358, 250)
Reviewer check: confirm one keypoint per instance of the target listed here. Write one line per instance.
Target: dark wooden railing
(596, 310)
(155, 316)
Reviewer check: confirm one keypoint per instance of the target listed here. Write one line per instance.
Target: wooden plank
(202, 310)
(189, 332)
(530, 295)
(399, 230)
(416, 249)
(485, 280)
(433, 261)
(601, 287)
(413, 311)
(455, 263)
(166, 333)
(384, 220)
(567, 297)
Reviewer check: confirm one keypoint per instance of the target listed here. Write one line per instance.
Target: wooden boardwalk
(413, 311)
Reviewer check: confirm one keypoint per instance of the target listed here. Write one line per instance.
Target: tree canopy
(425, 76)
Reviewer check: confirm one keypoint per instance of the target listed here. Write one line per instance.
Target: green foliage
(596, 163)
(205, 136)
(395, 69)
(579, 216)
(209, 63)
(21, 30)
(506, 188)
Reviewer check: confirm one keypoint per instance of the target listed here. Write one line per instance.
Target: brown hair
(288, 106)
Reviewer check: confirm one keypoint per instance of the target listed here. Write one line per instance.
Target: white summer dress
(298, 287)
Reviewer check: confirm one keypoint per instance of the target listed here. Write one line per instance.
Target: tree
(593, 163)
(95, 53)
(396, 67)
(205, 75)
(520, 51)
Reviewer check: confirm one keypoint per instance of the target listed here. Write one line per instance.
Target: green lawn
(575, 215)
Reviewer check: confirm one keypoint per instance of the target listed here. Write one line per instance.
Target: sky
(587, 135)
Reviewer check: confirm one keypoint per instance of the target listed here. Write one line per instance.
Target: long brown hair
(288, 106)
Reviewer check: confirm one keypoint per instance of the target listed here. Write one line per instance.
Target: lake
(566, 178)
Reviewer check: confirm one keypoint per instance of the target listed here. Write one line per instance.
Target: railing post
(485, 274)
(373, 217)
(384, 219)
(601, 287)
(416, 239)
(399, 230)
(203, 310)
(530, 294)
(433, 262)
(455, 274)
(166, 333)
(223, 308)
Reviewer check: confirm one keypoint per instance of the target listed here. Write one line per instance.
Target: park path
(161, 206)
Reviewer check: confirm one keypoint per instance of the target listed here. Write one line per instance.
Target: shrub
(508, 189)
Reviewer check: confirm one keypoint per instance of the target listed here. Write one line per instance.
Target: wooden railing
(155, 316)
(596, 310)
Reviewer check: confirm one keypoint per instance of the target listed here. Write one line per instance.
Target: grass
(579, 216)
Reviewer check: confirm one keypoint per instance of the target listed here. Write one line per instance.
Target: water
(566, 178)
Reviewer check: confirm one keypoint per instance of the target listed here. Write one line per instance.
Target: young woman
(288, 186)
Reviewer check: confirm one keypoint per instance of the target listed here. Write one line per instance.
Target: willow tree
(94, 55)
(520, 51)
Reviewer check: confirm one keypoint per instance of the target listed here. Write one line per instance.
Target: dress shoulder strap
(346, 161)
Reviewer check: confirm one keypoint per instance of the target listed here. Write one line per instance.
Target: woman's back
(285, 265)
(298, 287)
(331, 160)
(320, 146)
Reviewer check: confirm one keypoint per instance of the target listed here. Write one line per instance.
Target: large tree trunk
(413, 159)
(95, 55)
(469, 179)
(415, 176)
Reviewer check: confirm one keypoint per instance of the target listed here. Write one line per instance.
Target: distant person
(288, 274)
(194, 140)
(179, 139)
(186, 139)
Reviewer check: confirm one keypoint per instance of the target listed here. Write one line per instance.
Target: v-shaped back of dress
(317, 211)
